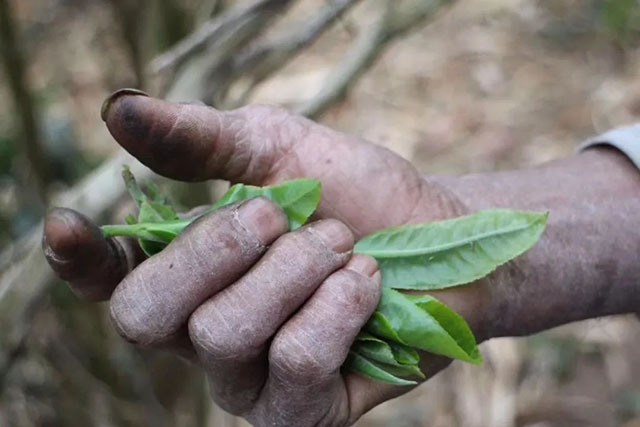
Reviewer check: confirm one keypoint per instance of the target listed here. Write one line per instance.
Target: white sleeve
(625, 139)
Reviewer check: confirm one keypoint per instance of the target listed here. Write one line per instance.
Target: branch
(218, 73)
(209, 75)
(16, 75)
(208, 31)
(394, 22)
(129, 14)
(264, 59)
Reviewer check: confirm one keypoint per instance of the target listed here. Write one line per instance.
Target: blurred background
(454, 86)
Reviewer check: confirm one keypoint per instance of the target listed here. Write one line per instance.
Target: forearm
(586, 265)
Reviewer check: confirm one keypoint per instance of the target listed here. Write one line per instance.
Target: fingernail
(363, 264)
(120, 92)
(334, 234)
(263, 218)
(59, 237)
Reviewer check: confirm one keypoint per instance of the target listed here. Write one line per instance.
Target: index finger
(77, 251)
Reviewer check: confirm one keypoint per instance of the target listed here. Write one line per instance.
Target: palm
(365, 186)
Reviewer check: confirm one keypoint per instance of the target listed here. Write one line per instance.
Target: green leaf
(427, 326)
(157, 232)
(132, 186)
(452, 322)
(153, 207)
(153, 192)
(361, 364)
(404, 354)
(385, 352)
(400, 370)
(155, 212)
(447, 253)
(299, 198)
(379, 325)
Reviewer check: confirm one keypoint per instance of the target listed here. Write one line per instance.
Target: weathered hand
(270, 314)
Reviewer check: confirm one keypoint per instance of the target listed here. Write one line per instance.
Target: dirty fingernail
(104, 110)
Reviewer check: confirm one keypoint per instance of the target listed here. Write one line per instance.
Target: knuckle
(278, 123)
(138, 315)
(355, 291)
(294, 244)
(301, 253)
(293, 360)
(216, 233)
(215, 338)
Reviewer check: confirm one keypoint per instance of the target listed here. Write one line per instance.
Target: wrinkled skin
(270, 314)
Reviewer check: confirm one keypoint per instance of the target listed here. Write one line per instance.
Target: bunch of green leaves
(418, 257)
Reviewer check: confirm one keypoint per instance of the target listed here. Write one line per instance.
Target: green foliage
(158, 224)
(447, 253)
(425, 256)
(298, 198)
(153, 208)
(377, 371)
(620, 17)
(426, 324)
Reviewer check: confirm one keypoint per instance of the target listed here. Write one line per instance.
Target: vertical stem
(129, 16)
(16, 74)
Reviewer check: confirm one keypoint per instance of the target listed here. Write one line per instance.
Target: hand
(270, 314)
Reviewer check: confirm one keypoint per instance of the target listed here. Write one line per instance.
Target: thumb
(192, 142)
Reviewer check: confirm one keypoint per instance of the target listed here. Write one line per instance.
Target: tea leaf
(361, 364)
(447, 253)
(388, 354)
(400, 370)
(157, 232)
(427, 328)
(132, 186)
(299, 198)
(379, 325)
(452, 322)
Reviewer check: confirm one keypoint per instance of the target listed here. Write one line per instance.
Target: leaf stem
(121, 230)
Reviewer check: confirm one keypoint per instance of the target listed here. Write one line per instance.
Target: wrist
(585, 264)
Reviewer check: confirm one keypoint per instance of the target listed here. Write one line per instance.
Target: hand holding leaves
(425, 256)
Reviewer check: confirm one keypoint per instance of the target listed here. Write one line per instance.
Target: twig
(16, 74)
(264, 59)
(129, 14)
(393, 22)
(208, 9)
(407, 18)
(356, 61)
(218, 72)
(203, 35)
